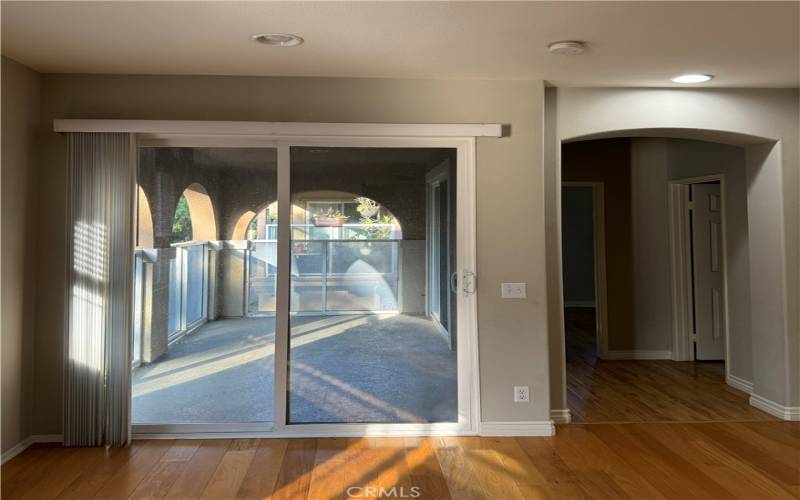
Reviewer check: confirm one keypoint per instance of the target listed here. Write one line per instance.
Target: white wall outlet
(522, 394)
(514, 290)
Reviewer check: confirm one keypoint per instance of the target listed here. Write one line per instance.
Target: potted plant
(367, 207)
(330, 218)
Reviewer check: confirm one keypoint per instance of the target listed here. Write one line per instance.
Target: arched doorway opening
(656, 312)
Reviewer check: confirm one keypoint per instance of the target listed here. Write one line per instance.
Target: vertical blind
(99, 218)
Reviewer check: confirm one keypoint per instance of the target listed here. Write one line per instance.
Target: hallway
(645, 391)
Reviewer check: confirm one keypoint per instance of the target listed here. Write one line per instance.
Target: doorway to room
(325, 289)
(646, 279)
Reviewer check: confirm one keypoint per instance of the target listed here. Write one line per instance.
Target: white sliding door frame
(223, 134)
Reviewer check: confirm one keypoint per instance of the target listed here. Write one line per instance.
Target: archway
(359, 216)
(144, 221)
(762, 163)
(194, 216)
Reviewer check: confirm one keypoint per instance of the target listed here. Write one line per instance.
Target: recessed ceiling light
(692, 78)
(567, 47)
(278, 39)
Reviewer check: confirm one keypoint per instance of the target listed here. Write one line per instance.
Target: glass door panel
(363, 345)
(205, 285)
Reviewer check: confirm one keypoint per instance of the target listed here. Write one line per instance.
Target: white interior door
(709, 302)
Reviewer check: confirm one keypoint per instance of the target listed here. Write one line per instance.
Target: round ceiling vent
(279, 39)
(567, 47)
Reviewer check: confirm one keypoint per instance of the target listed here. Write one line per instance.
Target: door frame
(599, 252)
(680, 258)
(229, 134)
(433, 178)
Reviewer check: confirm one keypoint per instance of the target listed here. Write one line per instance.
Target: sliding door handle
(469, 283)
(454, 282)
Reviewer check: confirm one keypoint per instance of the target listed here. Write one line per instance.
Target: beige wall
(20, 117)
(513, 333)
(765, 123)
(652, 304)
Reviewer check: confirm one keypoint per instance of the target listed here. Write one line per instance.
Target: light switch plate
(514, 290)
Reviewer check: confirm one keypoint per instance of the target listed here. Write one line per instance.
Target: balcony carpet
(365, 368)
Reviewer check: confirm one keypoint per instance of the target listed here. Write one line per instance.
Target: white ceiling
(745, 44)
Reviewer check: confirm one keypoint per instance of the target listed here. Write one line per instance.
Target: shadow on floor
(365, 368)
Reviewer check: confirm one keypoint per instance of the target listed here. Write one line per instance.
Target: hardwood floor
(692, 436)
(650, 460)
(645, 391)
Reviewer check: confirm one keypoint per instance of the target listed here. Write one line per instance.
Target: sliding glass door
(362, 346)
(351, 303)
(204, 336)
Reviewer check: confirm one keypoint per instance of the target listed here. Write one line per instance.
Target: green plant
(378, 228)
(366, 206)
(182, 223)
(332, 214)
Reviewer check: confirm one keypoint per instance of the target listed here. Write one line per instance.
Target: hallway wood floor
(748, 460)
(645, 391)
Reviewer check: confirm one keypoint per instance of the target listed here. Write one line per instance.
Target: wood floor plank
(489, 472)
(94, 478)
(753, 454)
(584, 453)
(457, 469)
(227, 479)
(298, 465)
(424, 472)
(157, 482)
(125, 480)
(328, 480)
(43, 458)
(739, 478)
(192, 481)
(261, 477)
(57, 477)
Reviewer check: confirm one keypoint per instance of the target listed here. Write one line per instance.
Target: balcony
(204, 331)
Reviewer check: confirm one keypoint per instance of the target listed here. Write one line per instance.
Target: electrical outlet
(521, 394)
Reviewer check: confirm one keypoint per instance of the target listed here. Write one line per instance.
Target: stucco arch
(298, 199)
(144, 230)
(201, 211)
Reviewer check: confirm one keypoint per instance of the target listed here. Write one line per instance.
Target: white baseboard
(534, 428)
(775, 409)
(739, 383)
(619, 355)
(579, 303)
(562, 416)
(25, 443)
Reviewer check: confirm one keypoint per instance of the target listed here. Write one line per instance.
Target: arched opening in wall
(194, 216)
(323, 216)
(338, 215)
(323, 222)
(144, 221)
(655, 266)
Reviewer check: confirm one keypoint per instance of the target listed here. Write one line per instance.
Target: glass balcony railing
(188, 288)
(346, 268)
